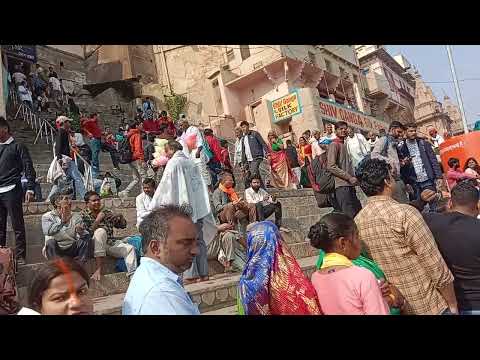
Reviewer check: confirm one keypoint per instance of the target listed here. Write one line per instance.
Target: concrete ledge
(212, 296)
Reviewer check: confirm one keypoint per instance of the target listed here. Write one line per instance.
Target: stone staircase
(216, 296)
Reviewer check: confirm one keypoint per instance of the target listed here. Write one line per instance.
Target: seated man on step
(64, 231)
(100, 222)
(222, 247)
(265, 203)
(229, 207)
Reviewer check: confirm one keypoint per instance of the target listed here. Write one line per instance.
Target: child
(342, 287)
(292, 157)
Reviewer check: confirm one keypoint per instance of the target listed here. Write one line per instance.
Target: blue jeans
(96, 146)
(430, 185)
(73, 172)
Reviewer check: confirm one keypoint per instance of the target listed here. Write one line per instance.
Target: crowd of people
(391, 246)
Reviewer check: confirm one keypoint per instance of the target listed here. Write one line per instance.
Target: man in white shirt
(316, 148)
(357, 146)
(266, 204)
(25, 95)
(436, 139)
(329, 133)
(372, 140)
(144, 199)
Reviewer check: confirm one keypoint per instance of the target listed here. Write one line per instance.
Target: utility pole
(457, 88)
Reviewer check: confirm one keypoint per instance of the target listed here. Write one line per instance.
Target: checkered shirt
(397, 238)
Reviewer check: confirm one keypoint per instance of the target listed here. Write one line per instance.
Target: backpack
(125, 154)
(322, 180)
(8, 290)
(369, 155)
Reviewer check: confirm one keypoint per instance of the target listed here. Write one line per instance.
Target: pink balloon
(160, 161)
(191, 141)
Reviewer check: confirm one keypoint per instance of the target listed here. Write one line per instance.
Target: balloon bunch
(160, 157)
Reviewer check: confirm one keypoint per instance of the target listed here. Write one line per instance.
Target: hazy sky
(432, 63)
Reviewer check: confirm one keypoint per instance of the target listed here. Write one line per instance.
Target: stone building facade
(227, 84)
(455, 116)
(429, 112)
(390, 83)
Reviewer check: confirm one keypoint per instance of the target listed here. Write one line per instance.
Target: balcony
(378, 86)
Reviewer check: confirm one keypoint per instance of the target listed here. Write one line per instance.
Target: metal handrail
(46, 130)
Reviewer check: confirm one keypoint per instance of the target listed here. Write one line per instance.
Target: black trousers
(253, 169)
(347, 201)
(81, 249)
(264, 211)
(11, 204)
(113, 153)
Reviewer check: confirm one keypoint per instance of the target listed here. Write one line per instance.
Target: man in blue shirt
(170, 243)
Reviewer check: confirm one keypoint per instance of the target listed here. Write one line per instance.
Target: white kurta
(357, 147)
(182, 184)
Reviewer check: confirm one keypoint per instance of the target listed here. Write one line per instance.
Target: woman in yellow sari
(282, 174)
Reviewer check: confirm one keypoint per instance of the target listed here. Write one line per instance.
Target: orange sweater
(135, 139)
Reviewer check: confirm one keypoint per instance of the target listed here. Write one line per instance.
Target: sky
(432, 63)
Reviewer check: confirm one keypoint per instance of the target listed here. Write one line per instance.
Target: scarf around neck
(232, 195)
(335, 259)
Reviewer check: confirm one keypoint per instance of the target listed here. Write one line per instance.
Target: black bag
(125, 155)
(324, 181)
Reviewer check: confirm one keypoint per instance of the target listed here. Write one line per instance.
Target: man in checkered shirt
(397, 238)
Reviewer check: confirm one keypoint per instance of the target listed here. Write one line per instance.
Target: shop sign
(336, 112)
(286, 106)
(24, 52)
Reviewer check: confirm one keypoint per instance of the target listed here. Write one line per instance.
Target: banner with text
(24, 52)
(286, 106)
(462, 147)
(336, 112)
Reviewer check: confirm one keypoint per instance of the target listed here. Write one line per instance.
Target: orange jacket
(135, 139)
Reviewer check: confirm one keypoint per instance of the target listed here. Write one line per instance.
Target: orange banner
(461, 147)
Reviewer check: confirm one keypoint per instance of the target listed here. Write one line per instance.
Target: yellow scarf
(232, 195)
(334, 259)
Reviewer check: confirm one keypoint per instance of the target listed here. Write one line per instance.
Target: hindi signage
(24, 52)
(286, 106)
(335, 112)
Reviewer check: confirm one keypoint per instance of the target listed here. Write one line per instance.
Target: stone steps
(214, 297)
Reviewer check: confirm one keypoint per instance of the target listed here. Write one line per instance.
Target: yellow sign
(286, 106)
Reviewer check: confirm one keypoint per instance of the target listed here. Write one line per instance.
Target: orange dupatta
(232, 195)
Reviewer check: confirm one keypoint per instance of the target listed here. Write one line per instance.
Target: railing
(46, 131)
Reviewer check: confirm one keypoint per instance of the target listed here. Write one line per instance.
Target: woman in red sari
(282, 175)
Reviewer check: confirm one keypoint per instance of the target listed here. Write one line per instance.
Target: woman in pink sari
(282, 175)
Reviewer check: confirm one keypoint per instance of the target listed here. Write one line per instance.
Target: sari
(364, 262)
(272, 282)
(282, 174)
(305, 159)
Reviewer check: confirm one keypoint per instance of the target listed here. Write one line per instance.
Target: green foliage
(175, 105)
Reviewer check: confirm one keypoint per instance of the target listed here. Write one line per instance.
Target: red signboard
(461, 147)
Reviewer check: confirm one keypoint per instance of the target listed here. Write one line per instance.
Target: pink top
(453, 176)
(349, 291)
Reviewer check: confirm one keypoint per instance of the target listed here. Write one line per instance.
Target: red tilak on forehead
(68, 273)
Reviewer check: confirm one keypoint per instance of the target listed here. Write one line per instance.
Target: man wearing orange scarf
(229, 207)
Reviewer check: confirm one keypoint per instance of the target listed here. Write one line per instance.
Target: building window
(328, 66)
(311, 58)
(230, 55)
(244, 52)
